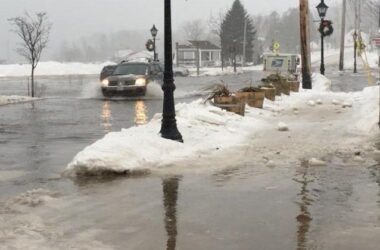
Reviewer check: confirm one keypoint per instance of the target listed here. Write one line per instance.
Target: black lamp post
(322, 10)
(154, 32)
(169, 128)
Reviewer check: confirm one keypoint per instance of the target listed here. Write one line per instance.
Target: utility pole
(359, 15)
(342, 35)
(355, 35)
(199, 58)
(379, 14)
(245, 40)
(379, 59)
(222, 56)
(234, 54)
(305, 44)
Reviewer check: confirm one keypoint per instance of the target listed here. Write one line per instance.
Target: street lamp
(322, 10)
(154, 32)
(169, 128)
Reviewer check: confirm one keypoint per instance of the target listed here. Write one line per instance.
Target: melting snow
(4, 100)
(215, 138)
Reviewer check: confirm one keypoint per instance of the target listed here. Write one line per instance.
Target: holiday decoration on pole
(149, 45)
(326, 28)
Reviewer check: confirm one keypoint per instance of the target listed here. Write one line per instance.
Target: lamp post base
(322, 70)
(169, 129)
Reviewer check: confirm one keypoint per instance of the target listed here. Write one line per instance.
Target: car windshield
(131, 69)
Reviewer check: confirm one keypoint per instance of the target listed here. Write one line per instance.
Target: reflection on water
(141, 116)
(170, 190)
(304, 218)
(106, 116)
(375, 173)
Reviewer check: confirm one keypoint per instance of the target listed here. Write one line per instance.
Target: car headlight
(140, 82)
(105, 83)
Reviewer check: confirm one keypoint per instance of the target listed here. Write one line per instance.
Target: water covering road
(240, 207)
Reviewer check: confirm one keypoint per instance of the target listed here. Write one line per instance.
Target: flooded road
(240, 207)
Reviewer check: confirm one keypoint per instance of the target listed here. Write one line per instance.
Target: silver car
(131, 79)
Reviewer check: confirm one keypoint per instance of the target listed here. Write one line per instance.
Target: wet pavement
(240, 207)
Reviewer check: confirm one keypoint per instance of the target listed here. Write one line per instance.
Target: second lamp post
(154, 32)
(322, 10)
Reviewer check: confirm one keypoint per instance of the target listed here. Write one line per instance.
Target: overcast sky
(75, 18)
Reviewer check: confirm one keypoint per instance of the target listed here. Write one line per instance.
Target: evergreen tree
(232, 32)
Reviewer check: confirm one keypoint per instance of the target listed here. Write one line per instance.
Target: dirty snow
(23, 226)
(4, 100)
(282, 127)
(314, 162)
(220, 137)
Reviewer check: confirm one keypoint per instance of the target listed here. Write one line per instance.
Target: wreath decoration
(326, 28)
(149, 45)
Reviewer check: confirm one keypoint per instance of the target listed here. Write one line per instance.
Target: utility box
(281, 63)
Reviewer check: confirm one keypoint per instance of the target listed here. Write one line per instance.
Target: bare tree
(34, 33)
(215, 26)
(194, 30)
(215, 23)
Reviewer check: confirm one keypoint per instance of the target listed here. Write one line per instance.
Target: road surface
(240, 207)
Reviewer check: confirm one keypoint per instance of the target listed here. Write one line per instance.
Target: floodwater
(239, 207)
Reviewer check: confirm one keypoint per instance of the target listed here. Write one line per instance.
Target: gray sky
(75, 18)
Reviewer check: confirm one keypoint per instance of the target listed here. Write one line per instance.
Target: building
(203, 52)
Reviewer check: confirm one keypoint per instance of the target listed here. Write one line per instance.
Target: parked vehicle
(130, 78)
(178, 70)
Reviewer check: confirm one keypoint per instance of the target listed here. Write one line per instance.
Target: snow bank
(213, 71)
(204, 127)
(56, 68)
(53, 68)
(320, 83)
(4, 100)
(215, 138)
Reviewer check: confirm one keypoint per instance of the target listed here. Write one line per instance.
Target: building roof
(203, 45)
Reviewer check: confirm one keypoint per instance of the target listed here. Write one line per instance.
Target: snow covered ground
(217, 71)
(60, 69)
(304, 126)
(4, 100)
(53, 68)
(332, 58)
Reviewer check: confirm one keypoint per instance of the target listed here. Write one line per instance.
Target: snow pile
(320, 83)
(4, 100)
(142, 148)
(369, 98)
(216, 138)
(282, 127)
(53, 68)
(32, 198)
(313, 162)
